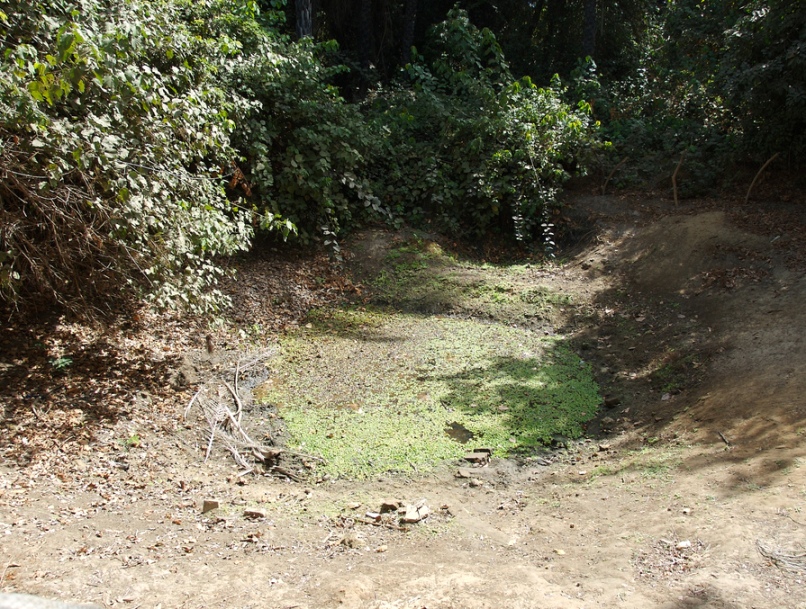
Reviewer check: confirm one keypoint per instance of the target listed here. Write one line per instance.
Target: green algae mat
(375, 389)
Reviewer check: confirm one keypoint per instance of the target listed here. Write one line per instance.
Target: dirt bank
(688, 491)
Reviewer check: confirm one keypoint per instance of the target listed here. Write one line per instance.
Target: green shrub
(468, 148)
(114, 139)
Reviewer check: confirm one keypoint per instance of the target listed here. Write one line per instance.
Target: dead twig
(791, 562)
(612, 173)
(724, 439)
(237, 373)
(238, 402)
(261, 356)
(284, 472)
(213, 427)
(187, 408)
(763, 167)
(674, 176)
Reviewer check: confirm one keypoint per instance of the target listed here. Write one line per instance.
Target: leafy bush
(762, 75)
(140, 140)
(303, 147)
(114, 136)
(721, 82)
(470, 149)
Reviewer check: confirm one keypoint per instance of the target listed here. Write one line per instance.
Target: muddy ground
(688, 490)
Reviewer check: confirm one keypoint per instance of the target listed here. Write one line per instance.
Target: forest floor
(688, 489)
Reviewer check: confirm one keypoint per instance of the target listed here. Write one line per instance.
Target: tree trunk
(409, 21)
(366, 40)
(589, 29)
(304, 18)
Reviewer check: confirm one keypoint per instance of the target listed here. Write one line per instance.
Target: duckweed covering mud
(437, 357)
(374, 391)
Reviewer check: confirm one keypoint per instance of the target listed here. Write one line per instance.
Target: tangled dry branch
(57, 239)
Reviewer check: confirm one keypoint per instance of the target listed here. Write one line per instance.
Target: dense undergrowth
(142, 141)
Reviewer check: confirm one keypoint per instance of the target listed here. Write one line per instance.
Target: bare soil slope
(689, 491)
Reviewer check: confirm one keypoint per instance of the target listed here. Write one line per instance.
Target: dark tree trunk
(589, 29)
(304, 18)
(409, 21)
(366, 40)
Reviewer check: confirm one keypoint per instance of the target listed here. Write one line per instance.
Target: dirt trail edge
(688, 490)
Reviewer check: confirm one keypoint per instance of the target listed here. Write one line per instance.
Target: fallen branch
(187, 408)
(763, 167)
(210, 443)
(284, 472)
(235, 393)
(674, 176)
(612, 173)
(239, 404)
(792, 562)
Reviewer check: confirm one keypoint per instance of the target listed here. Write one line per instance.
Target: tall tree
(407, 40)
(589, 29)
(304, 11)
(366, 34)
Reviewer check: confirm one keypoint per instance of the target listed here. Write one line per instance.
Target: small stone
(503, 408)
(389, 505)
(354, 505)
(686, 511)
(559, 552)
(666, 397)
(604, 446)
(582, 472)
(608, 421)
(475, 483)
(350, 541)
(683, 545)
(209, 505)
(373, 516)
(463, 473)
(254, 514)
(381, 549)
(477, 457)
(416, 512)
(612, 402)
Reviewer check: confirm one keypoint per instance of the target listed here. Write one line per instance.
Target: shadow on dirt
(56, 377)
(687, 324)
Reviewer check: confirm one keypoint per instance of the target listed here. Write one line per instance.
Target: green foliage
(142, 140)
(60, 364)
(468, 148)
(114, 136)
(719, 81)
(305, 148)
(762, 76)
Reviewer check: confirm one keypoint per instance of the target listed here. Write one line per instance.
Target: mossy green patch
(421, 277)
(372, 391)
